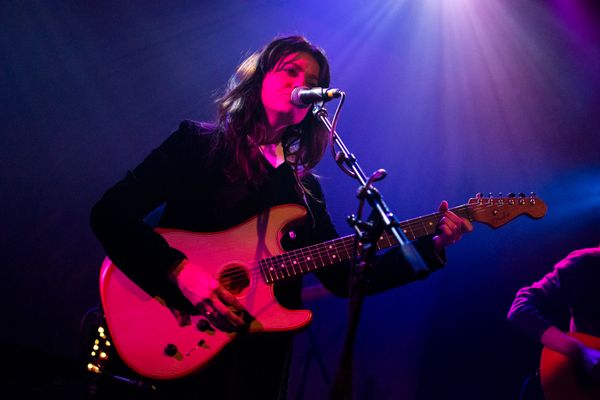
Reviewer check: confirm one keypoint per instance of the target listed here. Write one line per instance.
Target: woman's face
(296, 69)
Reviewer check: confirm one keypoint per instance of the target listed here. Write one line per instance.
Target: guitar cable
(525, 386)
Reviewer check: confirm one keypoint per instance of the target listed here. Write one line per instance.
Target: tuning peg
(511, 198)
(521, 194)
(491, 195)
(499, 194)
(478, 195)
(532, 194)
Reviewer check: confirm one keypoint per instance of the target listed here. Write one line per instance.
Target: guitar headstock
(497, 211)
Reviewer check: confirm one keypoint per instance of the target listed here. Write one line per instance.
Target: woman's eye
(291, 71)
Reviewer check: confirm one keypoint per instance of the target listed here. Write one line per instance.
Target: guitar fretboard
(311, 258)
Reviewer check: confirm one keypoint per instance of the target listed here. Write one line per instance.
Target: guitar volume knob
(203, 325)
(170, 350)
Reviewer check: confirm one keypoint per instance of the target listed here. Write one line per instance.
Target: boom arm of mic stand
(388, 219)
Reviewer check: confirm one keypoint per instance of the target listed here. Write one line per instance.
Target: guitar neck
(311, 258)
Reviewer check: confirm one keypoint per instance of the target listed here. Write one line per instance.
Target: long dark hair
(241, 115)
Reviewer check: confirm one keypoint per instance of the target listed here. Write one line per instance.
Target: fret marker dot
(271, 269)
(431, 223)
(282, 265)
(333, 256)
(308, 258)
(294, 262)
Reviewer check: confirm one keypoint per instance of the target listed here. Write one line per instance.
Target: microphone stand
(367, 234)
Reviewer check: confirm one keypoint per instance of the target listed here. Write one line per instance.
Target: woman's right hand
(216, 304)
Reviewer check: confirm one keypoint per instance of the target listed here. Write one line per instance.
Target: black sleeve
(391, 268)
(533, 304)
(117, 219)
(548, 301)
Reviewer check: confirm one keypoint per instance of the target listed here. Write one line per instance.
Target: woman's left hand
(450, 228)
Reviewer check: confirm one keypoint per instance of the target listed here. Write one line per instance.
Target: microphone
(304, 96)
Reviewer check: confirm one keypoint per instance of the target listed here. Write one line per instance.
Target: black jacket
(196, 195)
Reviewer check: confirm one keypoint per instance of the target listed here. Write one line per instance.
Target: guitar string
(320, 249)
(317, 251)
(345, 243)
(280, 272)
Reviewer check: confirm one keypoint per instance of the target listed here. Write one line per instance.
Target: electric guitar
(563, 379)
(247, 260)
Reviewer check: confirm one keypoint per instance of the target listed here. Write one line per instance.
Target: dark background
(450, 97)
